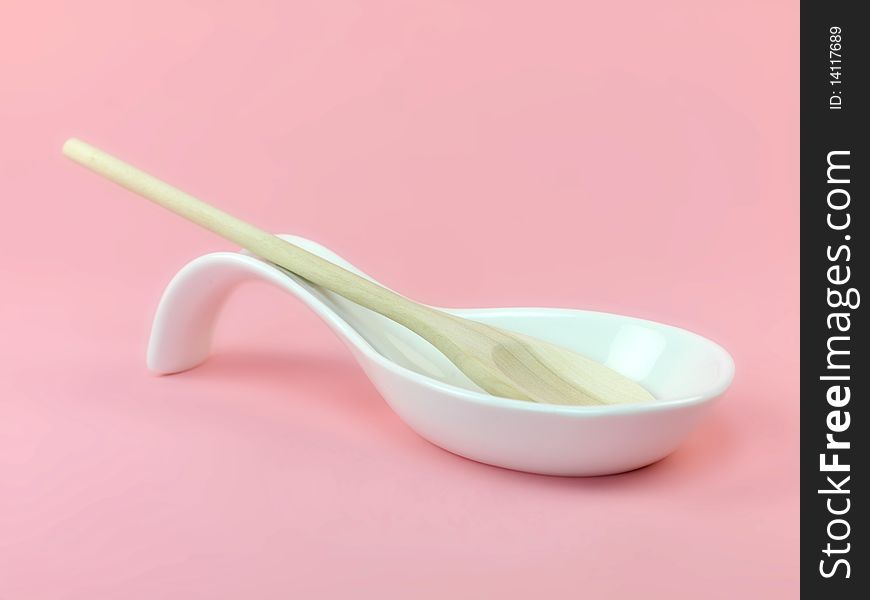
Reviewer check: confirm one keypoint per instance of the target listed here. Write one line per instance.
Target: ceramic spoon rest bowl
(684, 371)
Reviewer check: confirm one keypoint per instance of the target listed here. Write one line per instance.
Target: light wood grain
(501, 362)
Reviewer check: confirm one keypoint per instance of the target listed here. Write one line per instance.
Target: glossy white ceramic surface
(684, 371)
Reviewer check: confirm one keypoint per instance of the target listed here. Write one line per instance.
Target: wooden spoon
(501, 362)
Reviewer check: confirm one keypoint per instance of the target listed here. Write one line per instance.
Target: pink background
(632, 157)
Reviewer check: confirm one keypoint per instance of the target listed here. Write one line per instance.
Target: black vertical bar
(834, 369)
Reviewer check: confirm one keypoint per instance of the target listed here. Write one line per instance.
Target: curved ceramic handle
(182, 331)
(188, 311)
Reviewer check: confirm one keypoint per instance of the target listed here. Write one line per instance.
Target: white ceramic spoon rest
(684, 371)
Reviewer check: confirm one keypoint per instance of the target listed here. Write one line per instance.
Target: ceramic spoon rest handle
(187, 314)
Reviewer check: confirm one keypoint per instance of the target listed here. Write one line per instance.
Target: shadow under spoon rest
(684, 371)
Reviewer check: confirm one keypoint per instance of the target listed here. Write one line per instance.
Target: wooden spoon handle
(262, 243)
